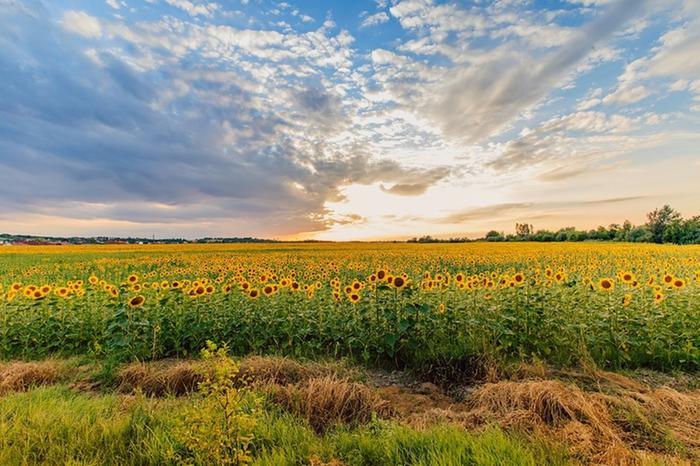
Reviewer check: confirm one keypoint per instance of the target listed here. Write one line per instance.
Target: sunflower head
(137, 301)
(606, 284)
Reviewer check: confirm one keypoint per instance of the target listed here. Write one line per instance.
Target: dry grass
(180, 377)
(614, 420)
(284, 371)
(604, 417)
(161, 378)
(20, 376)
(327, 401)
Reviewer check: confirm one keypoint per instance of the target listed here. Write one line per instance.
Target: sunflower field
(616, 305)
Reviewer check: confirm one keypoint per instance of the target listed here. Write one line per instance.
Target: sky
(340, 120)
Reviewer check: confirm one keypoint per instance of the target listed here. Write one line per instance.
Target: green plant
(219, 429)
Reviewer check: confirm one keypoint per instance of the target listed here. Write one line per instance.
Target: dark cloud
(94, 136)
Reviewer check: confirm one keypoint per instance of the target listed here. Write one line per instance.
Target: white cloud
(205, 9)
(375, 19)
(81, 23)
(116, 4)
(627, 95)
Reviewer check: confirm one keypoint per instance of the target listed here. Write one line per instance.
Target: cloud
(480, 100)
(676, 57)
(527, 210)
(579, 137)
(204, 9)
(81, 23)
(133, 133)
(417, 187)
(487, 212)
(627, 95)
(375, 19)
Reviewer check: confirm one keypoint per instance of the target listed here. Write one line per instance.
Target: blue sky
(345, 119)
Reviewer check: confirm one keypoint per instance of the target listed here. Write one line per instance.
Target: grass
(329, 413)
(55, 425)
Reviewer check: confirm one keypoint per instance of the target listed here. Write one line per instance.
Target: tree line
(664, 225)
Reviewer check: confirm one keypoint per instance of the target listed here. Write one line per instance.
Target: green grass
(56, 425)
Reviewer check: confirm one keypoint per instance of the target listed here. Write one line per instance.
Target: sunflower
(679, 283)
(93, 280)
(519, 278)
(268, 290)
(137, 301)
(253, 294)
(668, 279)
(354, 297)
(133, 278)
(165, 284)
(658, 297)
(61, 292)
(606, 284)
(381, 274)
(627, 277)
(399, 282)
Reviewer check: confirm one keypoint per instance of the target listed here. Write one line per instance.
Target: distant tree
(524, 230)
(683, 231)
(659, 219)
(494, 235)
(640, 234)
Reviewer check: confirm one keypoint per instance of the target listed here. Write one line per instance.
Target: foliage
(219, 429)
(404, 305)
(664, 225)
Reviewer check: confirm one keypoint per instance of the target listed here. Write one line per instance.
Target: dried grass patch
(20, 375)
(327, 401)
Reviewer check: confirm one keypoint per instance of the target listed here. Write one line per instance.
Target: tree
(523, 230)
(493, 235)
(658, 221)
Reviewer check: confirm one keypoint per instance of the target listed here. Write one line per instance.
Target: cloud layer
(195, 117)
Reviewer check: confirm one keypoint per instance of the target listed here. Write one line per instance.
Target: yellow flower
(137, 301)
(606, 284)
